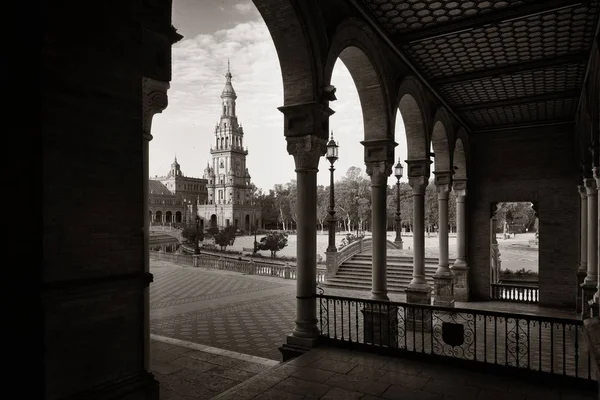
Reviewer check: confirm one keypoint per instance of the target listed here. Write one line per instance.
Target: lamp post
(398, 173)
(332, 156)
(197, 249)
(357, 215)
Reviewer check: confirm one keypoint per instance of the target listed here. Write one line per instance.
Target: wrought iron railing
(515, 292)
(536, 343)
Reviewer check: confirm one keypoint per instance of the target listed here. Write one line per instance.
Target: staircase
(355, 273)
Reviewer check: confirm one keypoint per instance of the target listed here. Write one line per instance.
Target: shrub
(273, 242)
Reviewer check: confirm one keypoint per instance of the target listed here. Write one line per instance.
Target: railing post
(251, 266)
(287, 270)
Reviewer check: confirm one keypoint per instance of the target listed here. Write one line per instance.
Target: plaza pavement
(212, 330)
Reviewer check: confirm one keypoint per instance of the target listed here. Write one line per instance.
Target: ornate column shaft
(460, 267)
(418, 290)
(379, 172)
(582, 268)
(154, 101)
(307, 151)
(597, 295)
(443, 278)
(591, 279)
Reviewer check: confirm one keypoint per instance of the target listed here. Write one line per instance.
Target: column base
(587, 296)
(443, 290)
(296, 346)
(381, 324)
(381, 296)
(418, 319)
(461, 282)
(591, 335)
(331, 263)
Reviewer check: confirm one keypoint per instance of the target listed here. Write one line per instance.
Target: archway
(178, 216)
(168, 216)
(247, 223)
(151, 217)
(158, 216)
(213, 221)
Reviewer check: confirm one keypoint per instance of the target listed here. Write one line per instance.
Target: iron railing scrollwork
(537, 343)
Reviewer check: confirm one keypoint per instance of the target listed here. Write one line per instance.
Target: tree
(268, 207)
(192, 235)
(322, 204)
(273, 242)
(225, 237)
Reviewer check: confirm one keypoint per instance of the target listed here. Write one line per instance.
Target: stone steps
(356, 274)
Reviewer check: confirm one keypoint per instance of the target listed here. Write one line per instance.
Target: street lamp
(356, 197)
(398, 173)
(197, 250)
(332, 156)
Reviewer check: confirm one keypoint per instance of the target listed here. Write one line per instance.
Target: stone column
(443, 278)
(460, 267)
(418, 290)
(582, 268)
(597, 295)
(379, 172)
(590, 283)
(307, 151)
(154, 101)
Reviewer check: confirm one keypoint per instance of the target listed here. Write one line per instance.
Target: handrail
(334, 260)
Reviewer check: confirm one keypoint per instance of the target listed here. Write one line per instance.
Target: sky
(213, 32)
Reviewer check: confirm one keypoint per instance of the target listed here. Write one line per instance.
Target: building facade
(229, 189)
(174, 198)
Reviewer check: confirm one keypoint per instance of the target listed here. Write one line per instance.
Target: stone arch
(460, 155)
(158, 216)
(440, 140)
(411, 106)
(151, 214)
(247, 223)
(298, 58)
(178, 216)
(354, 44)
(213, 221)
(168, 216)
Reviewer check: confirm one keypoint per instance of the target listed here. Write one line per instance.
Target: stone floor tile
(342, 394)
(164, 367)
(441, 373)
(313, 374)
(162, 355)
(403, 392)
(580, 396)
(452, 389)
(302, 387)
(405, 366)
(533, 391)
(487, 381)
(274, 394)
(231, 373)
(185, 388)
(369, 397)
(242, 393)
(200, 355)
(262, 383)
(160, 346)
(367, 372)
(340, 367)
(358, 384)
(370, 360)
(401, 379)
(250, 367)
(197, 365)
(213, 383)
(488, 394)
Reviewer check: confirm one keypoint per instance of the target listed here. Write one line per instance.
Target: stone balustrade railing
(335, 259)
(250, 267)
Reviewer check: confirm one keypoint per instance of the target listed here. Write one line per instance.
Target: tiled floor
(328, 373)
(190, 371)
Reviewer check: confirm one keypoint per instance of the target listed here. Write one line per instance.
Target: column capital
(459, 186)
(590, 185)
(597, 176)
(418, 184)
(418, 168)
(154, 101)
(379, 150)
(443, 191)
(307, 151)
(379, 171)
(443, 178)
(582, 192)
(306, 119)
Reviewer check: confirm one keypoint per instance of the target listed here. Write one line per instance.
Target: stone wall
(527, 165)
(92, 177)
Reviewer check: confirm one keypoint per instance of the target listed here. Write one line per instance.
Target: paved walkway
(191, 371)
(328, 373)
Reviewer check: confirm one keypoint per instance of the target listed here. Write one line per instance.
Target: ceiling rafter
(522, 125)
(490, 18)
(573, 94)
(574, 58)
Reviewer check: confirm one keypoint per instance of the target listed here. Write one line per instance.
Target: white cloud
(186, 127)
(244, 7)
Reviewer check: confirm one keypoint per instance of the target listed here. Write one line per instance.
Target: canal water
(167, 247)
